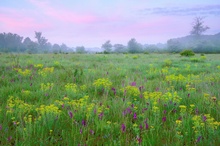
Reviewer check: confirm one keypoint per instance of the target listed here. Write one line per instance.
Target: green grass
(114, 99)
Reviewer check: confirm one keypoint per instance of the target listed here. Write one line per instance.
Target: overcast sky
(92, 22)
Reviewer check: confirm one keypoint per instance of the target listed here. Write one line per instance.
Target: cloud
(19, 22)
(183, 11)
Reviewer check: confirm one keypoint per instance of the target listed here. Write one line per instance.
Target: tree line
(10, 42)
(196, 41)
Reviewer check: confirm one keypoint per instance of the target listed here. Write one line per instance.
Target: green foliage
(97, 99)
(187, 53)
(146, 52)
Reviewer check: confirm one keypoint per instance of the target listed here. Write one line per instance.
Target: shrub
(195, 60)
(187, 53)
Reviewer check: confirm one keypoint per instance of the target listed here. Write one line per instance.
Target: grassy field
(124, 99)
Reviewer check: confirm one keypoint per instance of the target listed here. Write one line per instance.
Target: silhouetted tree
(80, 49)
(134, 47)
(198, 26)
(119, 48)
(42, 41)
(107, 46)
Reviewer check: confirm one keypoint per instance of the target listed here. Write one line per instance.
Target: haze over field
(92, 22)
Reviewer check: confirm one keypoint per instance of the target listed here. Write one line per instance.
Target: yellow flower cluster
(45, 71)
(71, 87)
(57, 63)
(131, 91)
(206, 121)
(45, 87)
(164, 70)
(152, 96)
(28, 119)
(177, 78)
(74, 103)
(211, 123)
(48, 109)
(25, 72)
(83, 87)
(81, 105)
(17, 105)
(174, 97)
(182, 109)
(26, 92)
(103, 82)
(38, 65)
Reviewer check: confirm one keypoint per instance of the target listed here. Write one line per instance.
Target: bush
(146, 52)
(187, 53)
(195, 60)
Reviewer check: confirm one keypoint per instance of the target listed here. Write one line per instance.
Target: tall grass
(123, 99)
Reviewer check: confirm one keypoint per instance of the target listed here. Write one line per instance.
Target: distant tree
(107, 46)
(80, 49)
(198, 26)
(174, 46)
(56, 48)
(42, 41)
(11, 42)
(134, 46)
(64, 47)
(119, 48)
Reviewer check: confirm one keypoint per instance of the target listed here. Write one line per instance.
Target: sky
(91, 23)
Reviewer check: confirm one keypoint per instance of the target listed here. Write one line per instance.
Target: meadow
(113, 99)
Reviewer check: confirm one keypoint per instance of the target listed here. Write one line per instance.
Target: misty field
(114, 99)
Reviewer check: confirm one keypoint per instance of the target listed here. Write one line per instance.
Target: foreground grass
(155, 99)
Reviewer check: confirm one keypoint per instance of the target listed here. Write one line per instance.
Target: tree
(134, 47)
(107, 46)
(174, 46)
(119, 48)
(11, 42)
(42, 41)
(80, 49)
(56, 48)
(198, 26)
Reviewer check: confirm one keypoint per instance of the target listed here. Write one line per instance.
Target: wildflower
(141, 127)
(92, 132)
(84, 123)
(164, 112)
(135, 125)
(199, 138)
(114, 90)
(128, 110)
(164, 119)
(178, 122)
(135, 116)
(146, 126)
(108, 122)
(123, 128)
(139, 140)
(9, 138)
(133, 84)
(101, 115)
(204, 118)
(0, 127)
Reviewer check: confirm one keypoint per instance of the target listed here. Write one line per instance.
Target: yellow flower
(135, 125)
(178, 122)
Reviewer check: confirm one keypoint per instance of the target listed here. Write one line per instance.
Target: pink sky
(92, 22)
